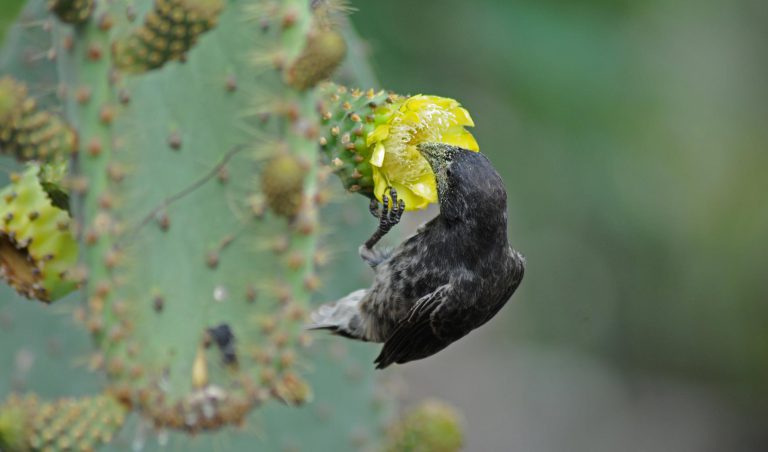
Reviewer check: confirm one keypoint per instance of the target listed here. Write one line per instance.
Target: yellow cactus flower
(400, 127)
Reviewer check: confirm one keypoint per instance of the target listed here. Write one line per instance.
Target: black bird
(451, 277)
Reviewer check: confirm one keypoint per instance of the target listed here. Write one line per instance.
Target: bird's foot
(391, 211)
(390, 214)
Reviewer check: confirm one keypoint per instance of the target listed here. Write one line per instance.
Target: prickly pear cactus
(179, 178)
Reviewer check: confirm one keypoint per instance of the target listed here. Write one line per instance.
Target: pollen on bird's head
(439, 155)
(441, 158)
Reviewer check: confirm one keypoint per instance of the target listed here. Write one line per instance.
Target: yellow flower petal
(412, 200)
(416, 103)
(377, 157)
(463, 118)
(443, 102)
(425, 187)
(401, 127)
(380, 133)
(380, 183)
(463, 140)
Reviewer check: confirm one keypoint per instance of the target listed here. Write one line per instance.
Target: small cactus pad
(36, 246)
(170, 29)
(27, 424)
(26, 131)
(432, 426)
(348, 116)
(72, 11)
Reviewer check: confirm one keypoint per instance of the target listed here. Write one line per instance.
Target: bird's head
(440, 157)
(466, 180)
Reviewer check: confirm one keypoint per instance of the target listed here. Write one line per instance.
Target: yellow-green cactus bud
(169, 31)
(37, 248)
(432, 426)
(324, 51)
(28, 132)
(15, 425)
(66, 424)
(72, 11)
(282, 181)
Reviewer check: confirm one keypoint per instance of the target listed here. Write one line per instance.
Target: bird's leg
(388, 218)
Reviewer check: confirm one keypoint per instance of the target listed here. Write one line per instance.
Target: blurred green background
(633, 140)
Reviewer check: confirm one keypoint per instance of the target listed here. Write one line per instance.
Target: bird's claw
(389, 216)
(374, 208)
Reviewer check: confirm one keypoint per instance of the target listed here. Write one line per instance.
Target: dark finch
(454, 275)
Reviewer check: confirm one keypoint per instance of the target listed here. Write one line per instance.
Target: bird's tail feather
(341, 317)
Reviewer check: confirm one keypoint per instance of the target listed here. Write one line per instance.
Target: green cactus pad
(175, 243)
(170, 29)
(72, 11)
(28, 132)
(36, 246)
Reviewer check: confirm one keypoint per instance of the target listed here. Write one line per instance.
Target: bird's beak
(429, 149)
(433, 152)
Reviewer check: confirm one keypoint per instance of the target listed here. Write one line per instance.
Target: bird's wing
(513, 279)
(415, 335)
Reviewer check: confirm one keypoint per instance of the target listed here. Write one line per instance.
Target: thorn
(312, 283)
(174, 140)
(94, 52)
(124, 96)
(106, 114)
(158, 303)
(212, 259)
(163, 221)
(106, 22)
(231, 84)
(289, 19)
(223, 174)
(106, 201)
(94, 147)
(83, 95)
(250, 294)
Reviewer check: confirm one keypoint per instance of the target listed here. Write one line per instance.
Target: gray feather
(342, 317)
